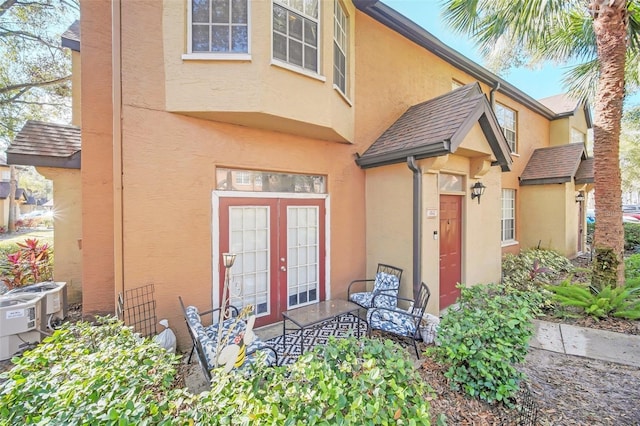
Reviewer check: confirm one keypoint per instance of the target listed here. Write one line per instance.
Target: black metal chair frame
(197, 346)
(417, 313)
(389, 269)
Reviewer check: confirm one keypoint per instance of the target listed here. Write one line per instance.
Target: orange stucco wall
(97, 182)
(168, 174)
(259, 92)
(182, 118)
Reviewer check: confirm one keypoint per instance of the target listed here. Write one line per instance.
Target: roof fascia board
(546, 181)
(432, 150)
(412, 31)
(71, 162)
(71, 44)
(585, 180)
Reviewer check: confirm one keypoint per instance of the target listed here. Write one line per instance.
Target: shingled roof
(564, 105)
(585, 171)
(5, 188)
(71, 37)
(437, 127)
(47, 145)
(556, 164)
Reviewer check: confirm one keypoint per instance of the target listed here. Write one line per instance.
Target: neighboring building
(313, 139)
(20, 198)
(55, 151)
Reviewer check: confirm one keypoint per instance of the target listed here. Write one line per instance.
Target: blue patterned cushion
(231, 327)
(398, 322)
(385, 286)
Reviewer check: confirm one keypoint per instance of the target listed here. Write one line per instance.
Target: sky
(537, 83)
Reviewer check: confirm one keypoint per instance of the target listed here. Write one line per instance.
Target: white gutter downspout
(417, 224)
(116, 97)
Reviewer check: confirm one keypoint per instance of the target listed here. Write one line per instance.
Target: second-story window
(507, 119)
(340, 44)
(219, 26)
(295, 32)
(577, 136)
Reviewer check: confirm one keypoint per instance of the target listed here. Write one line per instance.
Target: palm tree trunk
(610, 21)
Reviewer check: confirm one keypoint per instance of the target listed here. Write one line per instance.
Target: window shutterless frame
(218, 29)
(508, 219)
(340, 48)
(507, 118)
(295, 34)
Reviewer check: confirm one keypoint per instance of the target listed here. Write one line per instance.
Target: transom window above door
(219, 26)
(295, 33)
(264, 181)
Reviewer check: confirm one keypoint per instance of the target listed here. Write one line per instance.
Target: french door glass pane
(249, 240)
(302, 247)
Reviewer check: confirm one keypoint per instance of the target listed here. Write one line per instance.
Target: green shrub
(348, 382)
(105, 375)
(484, 339)
(533, 268)
(631, 235)
(632, 267)
(619, 302)
(87, 374)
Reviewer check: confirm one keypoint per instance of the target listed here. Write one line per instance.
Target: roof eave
(71, 162)
(545, 181)
(395, 157)
(71, 44)
(581, 181)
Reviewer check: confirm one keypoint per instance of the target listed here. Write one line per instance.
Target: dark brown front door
(450, 248)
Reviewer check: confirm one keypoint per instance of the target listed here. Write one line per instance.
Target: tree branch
(55, 81)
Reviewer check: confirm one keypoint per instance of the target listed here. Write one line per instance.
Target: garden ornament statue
(234, 355)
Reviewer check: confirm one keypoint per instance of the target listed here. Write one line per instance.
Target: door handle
(283, 268)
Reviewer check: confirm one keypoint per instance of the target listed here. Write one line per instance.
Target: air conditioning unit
(22, 316)
(55, 294)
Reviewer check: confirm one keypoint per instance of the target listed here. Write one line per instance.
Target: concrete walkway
(587, 342)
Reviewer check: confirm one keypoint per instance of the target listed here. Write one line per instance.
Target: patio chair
(404, 324)
(386, 282)
(204, 338)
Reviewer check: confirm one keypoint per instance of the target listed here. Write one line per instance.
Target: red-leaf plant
(30, 264)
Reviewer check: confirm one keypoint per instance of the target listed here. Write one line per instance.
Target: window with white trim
(507, 119)
(577, 136)
(219, 26)
(340, 44)
(508, 222)
(295, 32)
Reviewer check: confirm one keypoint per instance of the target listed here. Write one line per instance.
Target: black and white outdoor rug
(288, 348)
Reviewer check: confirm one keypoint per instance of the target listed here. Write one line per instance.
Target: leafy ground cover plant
(347, 382)
(484, 339)
(533, 268)
(85, 374)
(106, 375)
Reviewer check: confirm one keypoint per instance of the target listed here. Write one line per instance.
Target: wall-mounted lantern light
(580, 197)
(477, 190)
